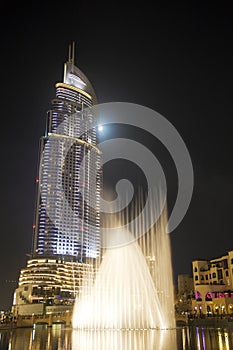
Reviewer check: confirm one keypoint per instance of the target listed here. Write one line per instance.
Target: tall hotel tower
(66, 231)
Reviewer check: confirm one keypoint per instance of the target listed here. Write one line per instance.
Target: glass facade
(66, 241)
(67, 220)
(53, 281)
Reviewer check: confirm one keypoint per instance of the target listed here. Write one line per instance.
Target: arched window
(208, 296)
(208, 309)
(198, 296)
(230, 309)
(195, 269)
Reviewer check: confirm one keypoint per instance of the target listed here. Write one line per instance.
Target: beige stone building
(213, 285)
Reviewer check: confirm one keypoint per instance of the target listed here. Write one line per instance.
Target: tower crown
(73, 76)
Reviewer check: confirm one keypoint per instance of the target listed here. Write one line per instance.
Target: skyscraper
(66, 230)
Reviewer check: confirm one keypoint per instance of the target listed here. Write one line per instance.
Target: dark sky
(175, 59)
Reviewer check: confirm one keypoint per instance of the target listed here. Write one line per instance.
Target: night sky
(175, 59)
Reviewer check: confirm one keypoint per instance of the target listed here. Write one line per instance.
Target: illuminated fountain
(133, 288)
(123, 295)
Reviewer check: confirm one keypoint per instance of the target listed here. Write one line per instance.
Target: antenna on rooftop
(69, 56)
(71, 52)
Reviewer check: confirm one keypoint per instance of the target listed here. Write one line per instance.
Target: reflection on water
(124, 340)
(38, 338)
(199, 338)
(58, 337)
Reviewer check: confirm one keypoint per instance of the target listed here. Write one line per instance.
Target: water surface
(59, 337)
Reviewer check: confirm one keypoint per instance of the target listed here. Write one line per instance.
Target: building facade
(184, 294)
(185, 284)
(66, 229)
(213, 285)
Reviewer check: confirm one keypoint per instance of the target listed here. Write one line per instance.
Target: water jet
(133, 287)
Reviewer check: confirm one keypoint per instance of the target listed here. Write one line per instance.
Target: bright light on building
(66, 231)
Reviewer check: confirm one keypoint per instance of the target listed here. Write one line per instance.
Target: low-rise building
(184, 294)
(213, 285)
(49, 282)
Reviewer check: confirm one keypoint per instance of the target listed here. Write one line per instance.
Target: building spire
(71, 52)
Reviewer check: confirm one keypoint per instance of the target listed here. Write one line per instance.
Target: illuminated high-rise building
(66, 230)
(66, 224)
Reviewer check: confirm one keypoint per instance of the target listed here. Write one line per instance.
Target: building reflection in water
(59, 337)
(211, 338)
(40, 338)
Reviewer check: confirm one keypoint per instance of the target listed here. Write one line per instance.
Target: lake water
(59, 337)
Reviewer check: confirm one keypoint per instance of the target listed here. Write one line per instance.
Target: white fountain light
(133, 288)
